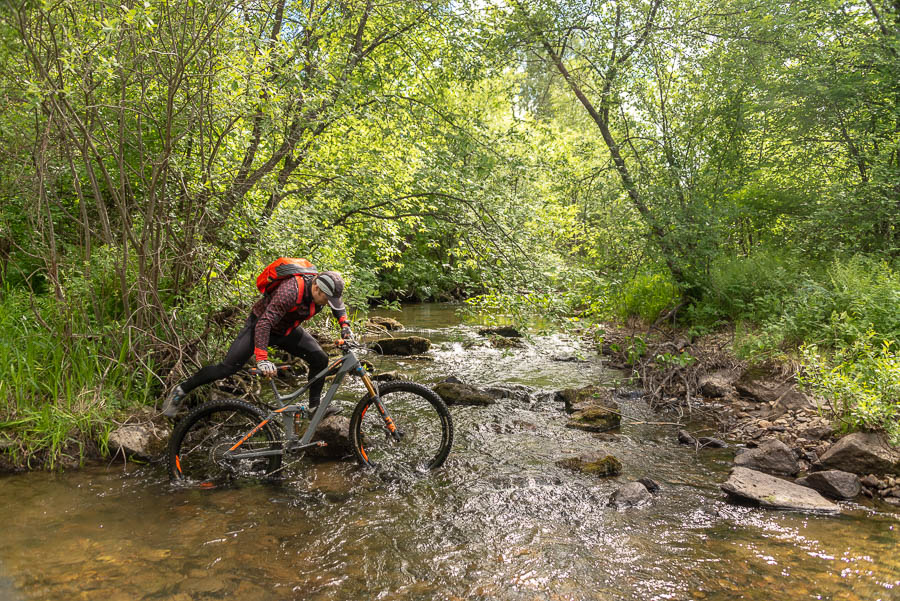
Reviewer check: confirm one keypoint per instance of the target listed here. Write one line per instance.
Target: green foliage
(647, 295)
(58, 389)
(862, 381)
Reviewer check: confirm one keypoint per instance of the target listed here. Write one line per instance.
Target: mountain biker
(275, 320)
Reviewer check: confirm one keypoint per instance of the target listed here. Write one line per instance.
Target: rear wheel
(197, 452)
(424, 429)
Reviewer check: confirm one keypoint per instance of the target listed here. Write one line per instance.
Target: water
(500, 521)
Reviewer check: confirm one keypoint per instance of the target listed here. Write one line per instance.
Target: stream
(499, 521)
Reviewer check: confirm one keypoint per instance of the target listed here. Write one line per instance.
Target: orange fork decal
(249, 434)
(390, 424)
(178, 464)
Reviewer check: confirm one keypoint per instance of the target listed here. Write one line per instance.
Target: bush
(646, 295)
(863, 382)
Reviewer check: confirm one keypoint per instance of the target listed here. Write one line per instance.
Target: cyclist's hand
(267, 368)
(346, 333)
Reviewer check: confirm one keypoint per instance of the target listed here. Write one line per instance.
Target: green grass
(61, 381)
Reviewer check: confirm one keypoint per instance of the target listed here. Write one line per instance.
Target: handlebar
(253, 371)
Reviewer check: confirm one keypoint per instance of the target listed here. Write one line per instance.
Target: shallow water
(499, 521)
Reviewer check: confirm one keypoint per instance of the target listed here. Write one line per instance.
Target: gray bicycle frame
(340, 368)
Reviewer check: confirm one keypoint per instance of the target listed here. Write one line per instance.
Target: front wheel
(198, 451)
(423, 429)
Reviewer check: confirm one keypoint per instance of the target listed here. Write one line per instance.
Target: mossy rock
(502, 342)
(579, 399)
(596, 419)
(386, 323)
(596, 464)
(506, 331)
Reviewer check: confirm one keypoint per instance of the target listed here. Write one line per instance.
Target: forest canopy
(711, 163)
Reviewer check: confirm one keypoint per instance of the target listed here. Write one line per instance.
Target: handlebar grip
(253, 371)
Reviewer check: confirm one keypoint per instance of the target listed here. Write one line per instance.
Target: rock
(684, 437)
(409, 345)
(862, 453)
(716, 384)
(463, 394)
(503, 342)
(518, 392)
(594, 419)
(507, 331)
(568, 359)
(335, 431)
(870, 480)
(764, 387)
(632, 494)
(893, 501)
(579, 399)
(712, 443)
(386, 323)
(772, 456)
(597, 464)
(815, 429)
(892, 492)
(833, 483)
(775, 493)
(144, 440)
(387, 376)
(650, 484)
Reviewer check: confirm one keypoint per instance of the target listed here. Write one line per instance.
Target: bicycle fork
(396, 434)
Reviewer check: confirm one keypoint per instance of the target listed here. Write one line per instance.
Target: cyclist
(275, 320)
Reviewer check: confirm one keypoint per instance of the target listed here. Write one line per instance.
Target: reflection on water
(500, 521)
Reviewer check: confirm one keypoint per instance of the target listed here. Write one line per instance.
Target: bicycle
(231, 439)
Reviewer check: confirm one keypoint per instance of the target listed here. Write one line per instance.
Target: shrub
(862, 380)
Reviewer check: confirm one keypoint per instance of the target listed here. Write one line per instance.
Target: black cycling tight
(298, 343)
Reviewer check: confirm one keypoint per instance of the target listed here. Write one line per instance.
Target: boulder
(772, 456)
(775, 493)
(632, 494)
(861, 453)
(833, 483)
(144, 440)
(763, 387)
(386, 323)
(597, 464)
(408, 345)
(334, 430)
(716, 384)
(506, 331)
(501, 342)
(463, 394)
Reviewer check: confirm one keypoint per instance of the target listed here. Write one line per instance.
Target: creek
(499, 521)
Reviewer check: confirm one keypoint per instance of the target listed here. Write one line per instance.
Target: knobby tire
(417, 412)
(195, 451)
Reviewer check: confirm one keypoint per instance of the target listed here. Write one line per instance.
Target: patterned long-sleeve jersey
(285, 309)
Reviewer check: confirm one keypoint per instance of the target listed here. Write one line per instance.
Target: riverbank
(748, 404)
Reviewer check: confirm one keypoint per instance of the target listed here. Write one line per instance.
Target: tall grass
(61, 380)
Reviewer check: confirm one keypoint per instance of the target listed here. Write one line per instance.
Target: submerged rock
(833, 483)
(684, 437)
(650, 484)
(455, 393)
(519, 392)
(387, 376)
(597, 464)
(772, 456)
(506, 331)
(632, 494)
(594, 419)
(775, 493)
(408, 345)
(579, 399)
(862, 453)
(711, 443)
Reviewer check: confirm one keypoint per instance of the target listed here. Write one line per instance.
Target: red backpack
(281, 268)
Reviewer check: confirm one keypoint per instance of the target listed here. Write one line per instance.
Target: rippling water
(500, 521)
